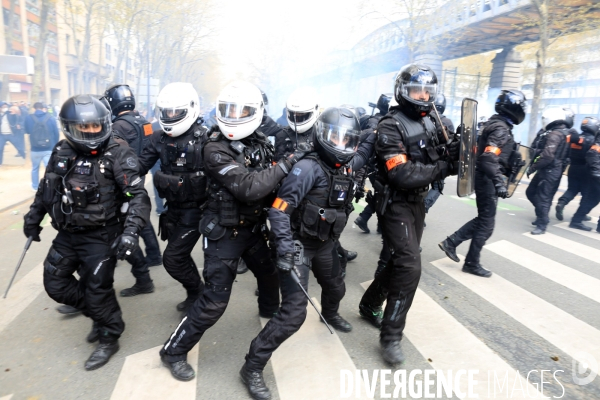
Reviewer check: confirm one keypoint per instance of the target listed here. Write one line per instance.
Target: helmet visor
(299, 117)
(236, 113)
(338, 138)
(90, 132)
(170, 115)
(419, 92)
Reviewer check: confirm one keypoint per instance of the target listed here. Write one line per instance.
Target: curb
(27, 200)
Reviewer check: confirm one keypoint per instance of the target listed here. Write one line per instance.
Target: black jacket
(495, 146)
(551, 148)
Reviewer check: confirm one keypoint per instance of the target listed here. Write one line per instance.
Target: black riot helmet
(120, 97)
(512, 104)
(415, 90)
(383, 103)
(86, 123)
(104, 101)
(440, 103)
(590, 125)
(337, 132)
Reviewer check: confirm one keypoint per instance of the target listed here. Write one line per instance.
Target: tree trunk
(40, 56)
(85, 51)
(538, 85)
(9, 39)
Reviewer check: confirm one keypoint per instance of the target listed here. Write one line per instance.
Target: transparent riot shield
(468, 148)
(519, 168)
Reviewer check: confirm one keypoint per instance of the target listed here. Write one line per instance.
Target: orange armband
(395, 161)
(493, 149)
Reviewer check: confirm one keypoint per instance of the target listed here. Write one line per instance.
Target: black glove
(454, 150)
(359, 194)
(125, 245)
(32, 231)
(288, 162)
(285, 263)
(501, 191)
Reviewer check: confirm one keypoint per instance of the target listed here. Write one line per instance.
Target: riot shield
(520, 165)
(468, 148)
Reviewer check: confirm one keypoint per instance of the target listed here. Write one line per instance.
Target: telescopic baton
(296, 276)
(27, 244)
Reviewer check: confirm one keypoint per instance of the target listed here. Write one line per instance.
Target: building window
(68, 43)
(53, 69)
(107, 51)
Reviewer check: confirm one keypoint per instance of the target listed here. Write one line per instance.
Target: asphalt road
(539, 311)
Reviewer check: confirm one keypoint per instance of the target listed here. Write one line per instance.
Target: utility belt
(232, 212)
(314, 222)
(410, 195)
(384, 195)
(212, 228)
(185, 206)
(181, 187)
(77, 228)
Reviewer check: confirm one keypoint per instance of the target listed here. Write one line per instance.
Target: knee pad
(56, 264)
(218, 293)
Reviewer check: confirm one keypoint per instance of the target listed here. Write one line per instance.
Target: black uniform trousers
(88, 253)
(480, 228)
(541, 191)
(151, 241)
(578, 179)
(220, 269)
(589, 200)
(139, 267)
(402, 229)
(291, 316)
(183, 234)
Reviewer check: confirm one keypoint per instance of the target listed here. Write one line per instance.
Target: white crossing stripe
(144, 377)
(569, 246)
(571, 335)
(450, 346)
(8, 397)
(310, 355)
(21, 295)
(557, 272)
(593, 234)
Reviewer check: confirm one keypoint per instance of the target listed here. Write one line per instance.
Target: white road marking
(439, 337)
(571, 278)
(144, 377)
(569, 246)
(592, 234)
(308, 364)
(558, 327)
(8, 397)
(22, 293)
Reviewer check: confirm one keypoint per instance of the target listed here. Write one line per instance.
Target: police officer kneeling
(89, 178)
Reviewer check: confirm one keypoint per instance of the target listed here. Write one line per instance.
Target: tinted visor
(418, 92)
(90, 132)
(171, 115)
(338, 138)
(299, 117)
(235, 112)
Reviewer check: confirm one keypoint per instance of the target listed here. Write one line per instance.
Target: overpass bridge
(458, 30)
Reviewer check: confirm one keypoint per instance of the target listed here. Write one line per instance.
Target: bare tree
(9, 39)
(40, 55)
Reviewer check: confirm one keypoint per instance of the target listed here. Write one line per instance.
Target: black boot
(68, 310)
(538, 230)
(242, 268)
(338, 323)
(559, 211)
(580, 225)
(380, 267)
(449, 248)
(351, 255)
(180, 370)
(101, 355)
(536, 222)
(476, 269)
(269, 315)
(391, 351)
(362, 224)
(374, 316)
(94, 334)
(255, 384)
(190, 299)
(587, 218)
(138, 288)
(154, 262)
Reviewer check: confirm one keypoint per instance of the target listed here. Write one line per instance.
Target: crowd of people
(281, 208)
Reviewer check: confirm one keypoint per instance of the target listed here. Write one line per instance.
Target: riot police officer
(130, 126)
(307, 218)
(181, 181)
(495, 148)
(579, 175)
(590, 127)
(239, 161)
(550, 152)
(88, 180)
(405, 170)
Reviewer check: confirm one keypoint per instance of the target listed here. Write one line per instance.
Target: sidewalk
(15, 179)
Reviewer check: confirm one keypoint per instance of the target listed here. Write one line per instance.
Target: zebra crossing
(308, 366)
